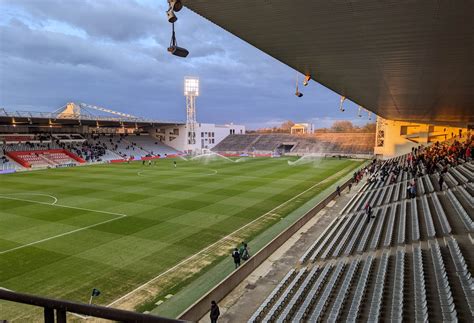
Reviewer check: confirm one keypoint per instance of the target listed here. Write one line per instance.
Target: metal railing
(56, 310)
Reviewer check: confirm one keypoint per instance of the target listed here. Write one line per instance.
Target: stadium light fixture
(306, 79)
(171, 16)
(341, 102)
(191, 86)
(174, 48)
(176, 5)
(297, 92)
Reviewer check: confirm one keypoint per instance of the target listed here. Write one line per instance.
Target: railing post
(48, 315)
(60, 316)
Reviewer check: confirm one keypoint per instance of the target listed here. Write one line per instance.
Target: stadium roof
(403, 60)
(41, 119)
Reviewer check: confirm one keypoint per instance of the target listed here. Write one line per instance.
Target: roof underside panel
(404, 60)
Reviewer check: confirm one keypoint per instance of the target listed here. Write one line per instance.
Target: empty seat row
(466, 172)
(311, 297)
(462, 272)
(316, 247)
(328, 237)
(324, 297)
(446, 300)
(390, 225)
(299, 295)
(428, 219)
(469, 166)
(459, 176)
(415, 229)
(421, 305)
(342, 229)
(465, 218)
(285, 296)
(351, 245)
(360, 290)
(429, 184)
(376, 301)
(397, 296)
(466, 195)
(345, 238)
(445, 226)
(402, 222)
(343, 291)
(258, 315)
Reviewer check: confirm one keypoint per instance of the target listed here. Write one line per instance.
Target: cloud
(109, 19)
(113, 54)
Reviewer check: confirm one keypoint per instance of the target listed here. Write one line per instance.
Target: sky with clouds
(112, 53)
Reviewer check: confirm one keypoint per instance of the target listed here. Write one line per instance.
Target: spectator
(244, 251)
(214, 313)
(338, 190)
(441, 182)
(413, 191)
(236, 256)
(368, 211)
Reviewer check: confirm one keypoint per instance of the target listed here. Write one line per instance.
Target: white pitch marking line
(220, 240)
(34, 194)
(214, 172)
(120, 215)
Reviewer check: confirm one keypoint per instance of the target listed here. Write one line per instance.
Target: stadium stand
(39, 151)
(318, 143)
(131, 146)
(45, 158)
(410, 260)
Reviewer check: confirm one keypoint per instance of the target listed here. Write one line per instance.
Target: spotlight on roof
(341, 102)
(171, 16)
(297, 92)
(176, 5)
(174, 48)
(178, 51)
(306, 79)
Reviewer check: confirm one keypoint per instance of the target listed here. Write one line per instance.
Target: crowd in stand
(95, 149)
(438, 157)
(435, 158)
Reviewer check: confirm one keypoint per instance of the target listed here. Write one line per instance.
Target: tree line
(337, 126)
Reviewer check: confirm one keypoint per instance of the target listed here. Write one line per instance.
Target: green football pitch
(114, 227)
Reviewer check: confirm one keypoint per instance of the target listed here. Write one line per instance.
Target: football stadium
(124, 216)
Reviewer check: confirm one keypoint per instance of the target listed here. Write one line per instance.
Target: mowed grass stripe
(168, 220)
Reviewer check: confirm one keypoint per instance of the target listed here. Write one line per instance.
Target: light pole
(191, 92)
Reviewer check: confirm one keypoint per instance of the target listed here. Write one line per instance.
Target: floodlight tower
(191, 92)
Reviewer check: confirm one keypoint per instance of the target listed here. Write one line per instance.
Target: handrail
(62, 307)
